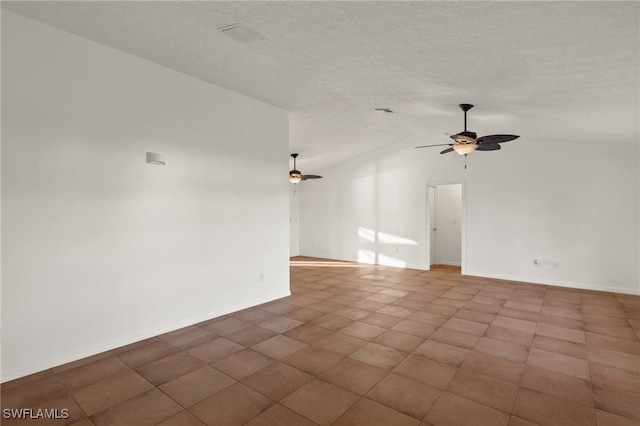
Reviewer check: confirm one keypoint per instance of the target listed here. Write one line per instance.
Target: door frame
(463, 224)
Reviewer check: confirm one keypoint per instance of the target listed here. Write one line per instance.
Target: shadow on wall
(379, 247)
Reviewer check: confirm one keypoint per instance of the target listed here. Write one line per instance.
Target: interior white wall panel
(573, 206)
(100, 249)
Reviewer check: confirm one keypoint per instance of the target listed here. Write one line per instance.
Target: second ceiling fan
(466, 142)
(295, 176)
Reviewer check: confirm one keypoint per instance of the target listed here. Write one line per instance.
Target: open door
(445, 224)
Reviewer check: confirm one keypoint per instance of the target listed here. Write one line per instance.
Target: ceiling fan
(295, 176)
(466, 142)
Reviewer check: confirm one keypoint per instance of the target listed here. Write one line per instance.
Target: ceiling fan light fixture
(465, 148)
(295, 176)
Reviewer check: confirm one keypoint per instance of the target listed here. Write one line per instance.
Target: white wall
(574, 205)
(100, 249)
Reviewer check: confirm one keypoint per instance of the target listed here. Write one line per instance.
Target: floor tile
(279, 308)
(351, 313)
(368, 412)
(561, 322)
(145, 354)
(110, 391)
(187, 337)
(569, 334)
(354, 375)
(331, 322)
(196, 386)
(168, 368)
(515, 324)
(243, 364)
(604, 418)
(277, 380)
(313, 360)
(226, 326)
(433, 373)
(613, 331)
(469, 315)
(483, 307)
(471, 327)
(623, 360)
(304, 314)
(397, 340)
(564, 347)
(32, 392)
(509, 335)
(362, 331)
(430, 318)
(483, 389)
(452, 410)
(280, 324)
(493, 366)
(381, 320)
(254, 316)
(147, 409)
(183, 418)
(412, 398)
(279, 346)
(308, 333)
(613, 343)
(614, 377)
(559, 363)
(91, 373)
(502, 349)
(455, 338)
(340, 343)
(519, 314)
(234, 405)
(549, 410)
(618, 401)
(214, 350)
(280, 416)
(415, 328)
(250, 335)
(442, 352)
(378, 356)
(396, 311)
(560, 385)
(320, 401)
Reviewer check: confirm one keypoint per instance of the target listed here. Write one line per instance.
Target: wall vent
(240, 33)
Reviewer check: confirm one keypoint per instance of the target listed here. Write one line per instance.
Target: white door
(433, 230)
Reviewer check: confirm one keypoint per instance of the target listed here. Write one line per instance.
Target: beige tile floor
(369, 345)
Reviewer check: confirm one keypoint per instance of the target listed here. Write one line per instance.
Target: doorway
(445, 220)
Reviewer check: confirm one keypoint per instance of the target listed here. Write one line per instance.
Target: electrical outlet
(261, 277)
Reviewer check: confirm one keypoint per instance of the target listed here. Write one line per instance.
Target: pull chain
(465, 161)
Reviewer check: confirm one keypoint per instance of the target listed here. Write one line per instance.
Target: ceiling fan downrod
(465, 108)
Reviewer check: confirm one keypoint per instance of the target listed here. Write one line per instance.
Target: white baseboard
(11, 375)
(555, 283)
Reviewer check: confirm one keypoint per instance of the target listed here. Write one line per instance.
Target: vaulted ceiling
(548, 71)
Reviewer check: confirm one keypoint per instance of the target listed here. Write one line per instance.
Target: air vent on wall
(240, 33)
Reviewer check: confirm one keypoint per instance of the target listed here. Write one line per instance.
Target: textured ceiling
(548, 71)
